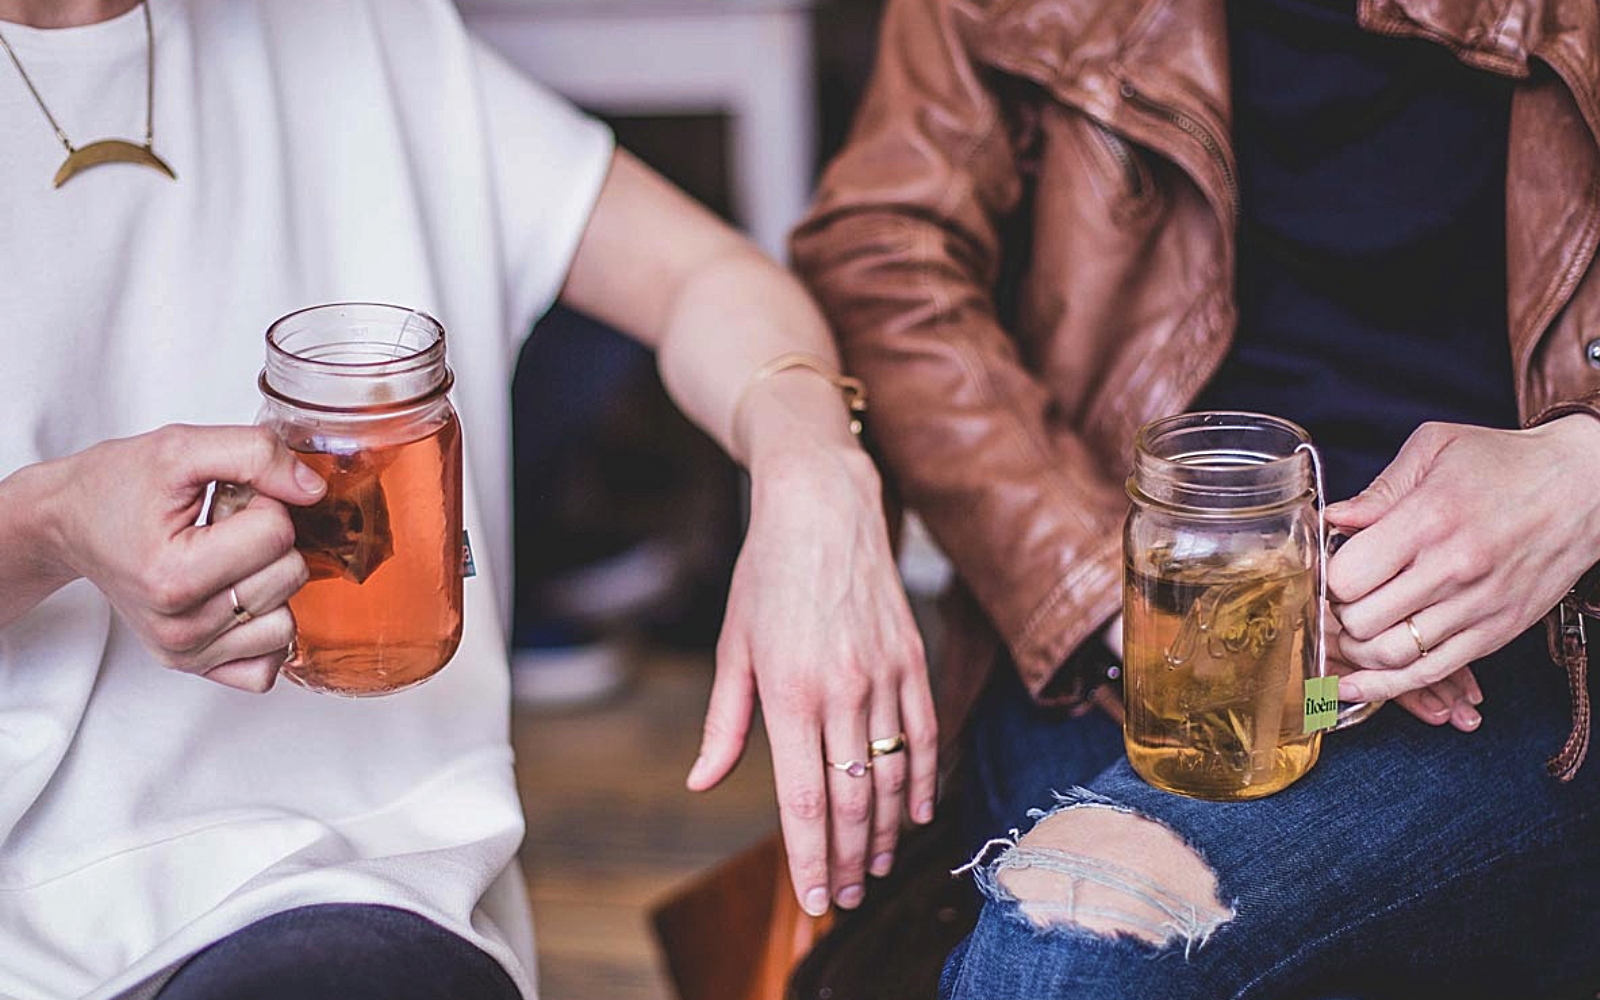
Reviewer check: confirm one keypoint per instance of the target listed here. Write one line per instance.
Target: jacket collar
(1128, 64)
(1507, 36)
(1498, 35)
(1096, 55)
(1052, 39)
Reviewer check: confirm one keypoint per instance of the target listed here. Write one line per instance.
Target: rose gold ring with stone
(854, 768)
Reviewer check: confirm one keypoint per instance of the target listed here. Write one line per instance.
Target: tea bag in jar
(346, 534)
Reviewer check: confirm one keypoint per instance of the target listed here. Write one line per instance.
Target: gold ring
(854, 768)
(1422, 647)
(240, 614)
(887, 745)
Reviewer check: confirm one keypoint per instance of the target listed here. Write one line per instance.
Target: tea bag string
(396, 350)
(1322, 548)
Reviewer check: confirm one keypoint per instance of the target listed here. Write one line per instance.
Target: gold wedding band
(1416, 637)
(240, 615)
(887, 745)
(854, 768)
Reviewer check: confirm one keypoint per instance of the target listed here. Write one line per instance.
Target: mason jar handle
(228, 499)
(1351, 713)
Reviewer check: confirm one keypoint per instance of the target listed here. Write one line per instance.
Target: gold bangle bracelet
(853, 389)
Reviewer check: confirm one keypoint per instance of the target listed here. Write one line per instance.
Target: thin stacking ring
(1416, 637)
(887, 745)
(241, 615)
(854, 768)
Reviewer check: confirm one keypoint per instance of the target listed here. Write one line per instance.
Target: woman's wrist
(31, 510)
(793, 412)
(1577, 433)
(34, 564)
(815, 459)
(819, 462)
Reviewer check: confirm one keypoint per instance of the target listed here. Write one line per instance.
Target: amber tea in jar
(1222, 633)
(360, 392)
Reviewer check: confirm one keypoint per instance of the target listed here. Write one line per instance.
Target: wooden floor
(611, 828)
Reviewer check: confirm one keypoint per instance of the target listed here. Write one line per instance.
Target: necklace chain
(149, 85)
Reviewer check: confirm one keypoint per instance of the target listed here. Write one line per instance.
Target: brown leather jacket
(1027, 250)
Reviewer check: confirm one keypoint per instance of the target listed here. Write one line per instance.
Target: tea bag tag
(1321, 704)
(468, 567)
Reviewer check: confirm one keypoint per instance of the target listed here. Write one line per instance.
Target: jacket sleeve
(902, 247)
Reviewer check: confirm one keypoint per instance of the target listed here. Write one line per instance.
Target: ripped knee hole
(1102, 869)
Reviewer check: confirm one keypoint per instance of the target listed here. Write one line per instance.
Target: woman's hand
(122, 514)
(1470, 536)
(818, 626)
(1453, 698)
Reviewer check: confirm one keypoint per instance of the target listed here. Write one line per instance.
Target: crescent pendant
(109, 151)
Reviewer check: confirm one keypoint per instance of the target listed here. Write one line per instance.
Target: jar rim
(1186, 481)
(398, 362)
(355, 358)
(1218, 419)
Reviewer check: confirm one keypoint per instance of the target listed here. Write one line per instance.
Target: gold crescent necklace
(106, 150)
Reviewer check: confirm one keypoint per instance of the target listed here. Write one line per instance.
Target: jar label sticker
(1322, 703)
(468, 567)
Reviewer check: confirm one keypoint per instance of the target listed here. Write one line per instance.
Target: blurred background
(627, 518)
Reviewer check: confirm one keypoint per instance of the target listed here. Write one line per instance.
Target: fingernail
(1476, 697)
(1433, 702)
(924, 813)
(850, 896)
(1470, 719)
(882, 863)
(1349, 690)
(694, 772)
(308, 478)
(816, 902)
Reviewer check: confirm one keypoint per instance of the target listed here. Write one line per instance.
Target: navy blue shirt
(1371, 271)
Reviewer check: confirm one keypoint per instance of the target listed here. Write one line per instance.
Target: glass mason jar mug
(360, 392)
(1223, 607)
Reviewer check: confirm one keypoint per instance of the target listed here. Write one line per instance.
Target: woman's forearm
(661, 268)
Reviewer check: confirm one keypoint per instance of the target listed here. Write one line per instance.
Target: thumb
(250, 456)
(1363, 509)
(727, 722)
(1401, 476)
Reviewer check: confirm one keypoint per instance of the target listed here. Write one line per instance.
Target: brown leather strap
(1569, 648)
(1564, 626)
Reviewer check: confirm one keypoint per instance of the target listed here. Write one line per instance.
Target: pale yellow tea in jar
(1216, 669)
(1221, 596)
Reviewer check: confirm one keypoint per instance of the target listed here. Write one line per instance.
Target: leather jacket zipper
(1194, 129)
(1118, 148)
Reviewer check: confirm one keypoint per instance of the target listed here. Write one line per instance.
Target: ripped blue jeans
(1412, 862)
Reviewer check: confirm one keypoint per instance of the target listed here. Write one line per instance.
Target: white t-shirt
(325, 150)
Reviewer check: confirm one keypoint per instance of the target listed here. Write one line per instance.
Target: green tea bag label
(1322, 703)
